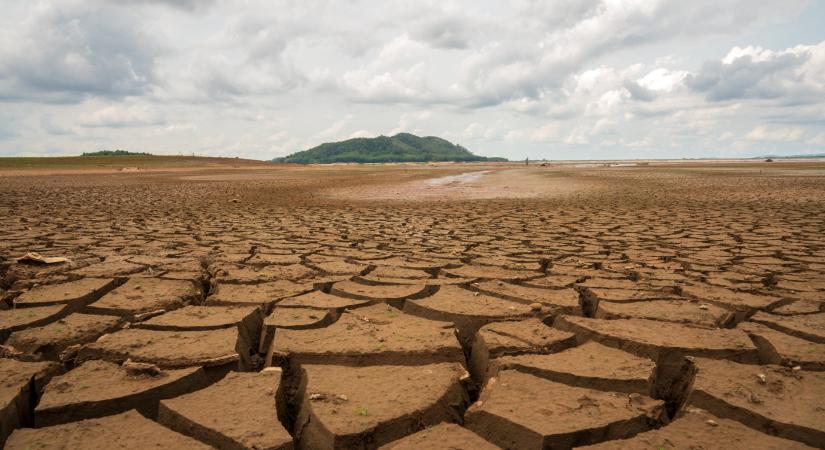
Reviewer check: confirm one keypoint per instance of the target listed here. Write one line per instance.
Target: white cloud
(335, 131)
(775, 134)
(793, 75)
(448, 32)
(118, 116)
(361, 134)
(51, 127)
(818, 139)
(662, 79)
(577, 136)
(595, 78)
(66, 51)
(192, 5)
(753, 54)
(410, 122)
(546, 132)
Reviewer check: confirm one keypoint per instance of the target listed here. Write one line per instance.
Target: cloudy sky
(562, 79)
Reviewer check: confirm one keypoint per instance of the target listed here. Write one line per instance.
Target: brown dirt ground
(657, 305)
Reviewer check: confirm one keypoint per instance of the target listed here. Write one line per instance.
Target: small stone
(712, 423)
(762, 378)
(705, 307)
(316, 397)
(139, 368)
(535, 306)
(342, 397)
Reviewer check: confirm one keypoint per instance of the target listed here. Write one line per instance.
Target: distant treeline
(115, 153)
(403, 147)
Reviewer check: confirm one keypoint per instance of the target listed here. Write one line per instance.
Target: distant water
(457, 179)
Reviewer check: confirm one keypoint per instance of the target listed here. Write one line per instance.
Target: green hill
(402, 147)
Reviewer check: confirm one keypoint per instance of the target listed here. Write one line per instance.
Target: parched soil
(238, 305)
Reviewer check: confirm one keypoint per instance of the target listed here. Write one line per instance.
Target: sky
(562, 79)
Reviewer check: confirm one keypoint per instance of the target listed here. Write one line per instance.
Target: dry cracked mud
(243, 306)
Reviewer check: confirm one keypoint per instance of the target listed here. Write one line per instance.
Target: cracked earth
(402, 307)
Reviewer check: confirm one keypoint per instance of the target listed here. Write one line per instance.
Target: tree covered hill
(402, 147)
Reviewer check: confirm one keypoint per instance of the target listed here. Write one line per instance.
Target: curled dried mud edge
(65, 353)
(720, 408)
(295, 414)
(651, 351)
(739, 313)
(387, 358)
(671, 381)
(398, 303)
(266, 338)
(7, 302)
(481, 364)
(520, 436)
(467, 325)
(588, 301)
(245, 359)
(767, 352)
(145, 402)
